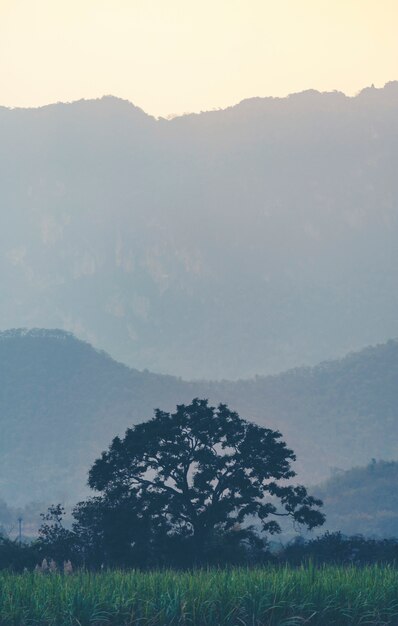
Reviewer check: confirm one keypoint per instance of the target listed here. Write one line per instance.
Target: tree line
(200, 486)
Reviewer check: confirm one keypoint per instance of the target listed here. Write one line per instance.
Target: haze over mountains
(61, 403)
(362, 500)
(220, 245)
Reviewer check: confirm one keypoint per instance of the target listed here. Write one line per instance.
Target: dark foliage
(18, 556)
(197, 474)
(118, 533)
(55, 541)
(338, 549)
(239, 547)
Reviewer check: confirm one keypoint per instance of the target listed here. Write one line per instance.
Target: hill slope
(363, 500)
(225, 244)
(61, 402)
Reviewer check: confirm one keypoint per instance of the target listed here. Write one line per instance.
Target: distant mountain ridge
(216, 245)
(61, 403)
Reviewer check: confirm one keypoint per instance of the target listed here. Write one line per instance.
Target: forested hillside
(338, 414)
(61, 402)
(221, 245)
(363, 500)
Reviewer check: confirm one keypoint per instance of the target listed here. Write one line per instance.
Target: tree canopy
(203, 472)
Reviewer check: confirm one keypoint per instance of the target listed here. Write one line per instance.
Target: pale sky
(175, 56)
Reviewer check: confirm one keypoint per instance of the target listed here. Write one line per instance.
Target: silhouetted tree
(16, 556)
(55, 541)
(201, 472)
(120, 530)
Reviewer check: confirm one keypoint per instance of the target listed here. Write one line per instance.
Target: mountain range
(224, 244)
(62, 401)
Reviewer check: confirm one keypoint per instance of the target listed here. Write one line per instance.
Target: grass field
(236, 597)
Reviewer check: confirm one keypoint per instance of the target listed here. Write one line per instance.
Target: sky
(175, 56)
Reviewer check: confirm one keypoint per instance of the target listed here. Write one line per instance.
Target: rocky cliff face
(219, 245)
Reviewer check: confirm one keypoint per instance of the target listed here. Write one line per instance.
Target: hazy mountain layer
(220, 245)
(363, 500)
(61, 402)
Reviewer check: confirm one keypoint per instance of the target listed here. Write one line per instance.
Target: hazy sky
(173, 56)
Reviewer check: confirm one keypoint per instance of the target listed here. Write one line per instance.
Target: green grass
(235, 597)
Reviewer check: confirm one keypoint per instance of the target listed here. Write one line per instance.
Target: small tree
(118, 531)
(55, 541)
(15, 556)
(204, 471)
